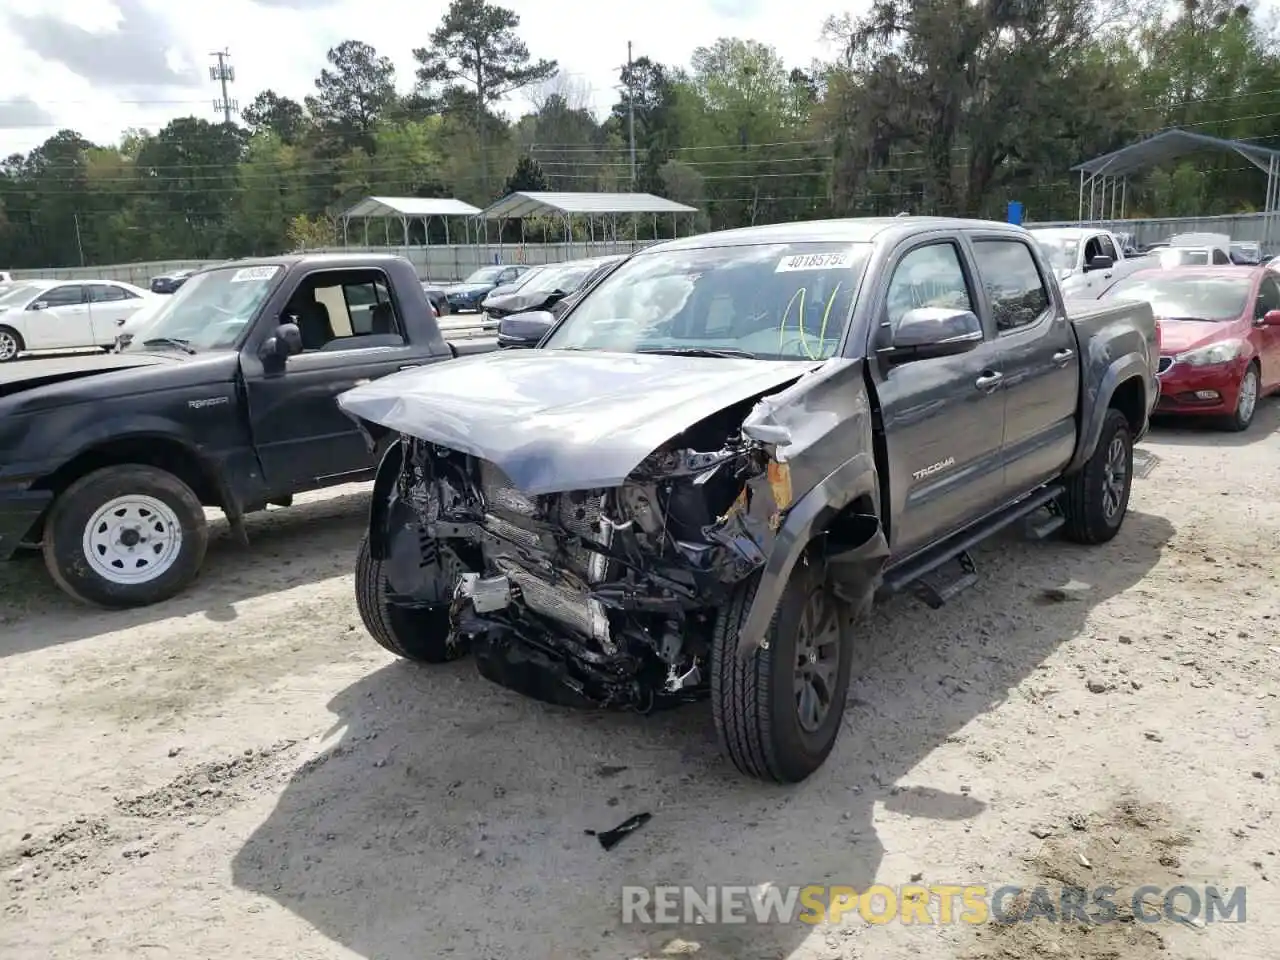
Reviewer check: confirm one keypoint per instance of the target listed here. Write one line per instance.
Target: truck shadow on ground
(450, 817)
(1202, 432)
(288, 547)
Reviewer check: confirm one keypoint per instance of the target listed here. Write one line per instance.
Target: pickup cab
(226, 398)
(717, 458)
(1085, 260)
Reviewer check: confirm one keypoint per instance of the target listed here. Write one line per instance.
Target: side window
(929, 276)
(1092, 247)
(1106, 248)
(1268, 296)
(508, 275)
(67, 295)
(105, 293)
(1220, 257)
(1012, 281)
(346, 310)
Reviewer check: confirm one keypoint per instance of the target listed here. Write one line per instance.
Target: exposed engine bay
(604, 597)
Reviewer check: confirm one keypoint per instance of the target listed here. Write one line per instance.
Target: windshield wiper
(701, 352)
(182, 345)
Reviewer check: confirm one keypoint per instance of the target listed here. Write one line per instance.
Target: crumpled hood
(517, 302)
(1179, 336)
(556, 420)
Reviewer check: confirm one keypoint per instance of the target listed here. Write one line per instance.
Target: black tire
(74, 510)
(1239, 421)
(11, 344)
(1093, 506)
(754, 700)
(423, 635)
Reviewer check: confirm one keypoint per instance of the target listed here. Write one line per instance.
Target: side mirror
(927, 332)
(1100, 262)
(39, 305)
(554, 297)
(285, 343)
(1271, 318)
(524, 329)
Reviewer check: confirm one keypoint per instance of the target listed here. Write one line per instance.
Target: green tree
(476, 47)
(355, 94)
(527, 176)
(272, 113)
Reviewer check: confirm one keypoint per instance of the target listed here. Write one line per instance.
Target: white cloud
(100, 67)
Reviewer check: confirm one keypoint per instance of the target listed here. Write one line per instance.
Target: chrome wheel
(817, 660)
(1248, 399)
(132, 539)
(1115, 474)
(8, 346)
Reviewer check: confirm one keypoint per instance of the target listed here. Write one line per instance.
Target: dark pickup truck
(717, 458)
(226, 398)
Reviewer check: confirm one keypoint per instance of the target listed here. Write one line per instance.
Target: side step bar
(917, 569)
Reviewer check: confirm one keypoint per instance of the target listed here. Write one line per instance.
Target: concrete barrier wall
(1258, 227)
(439, 263)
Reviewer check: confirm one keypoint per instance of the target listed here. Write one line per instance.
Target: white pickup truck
(1085, 259)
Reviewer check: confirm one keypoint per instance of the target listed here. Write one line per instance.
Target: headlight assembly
(1215, 353)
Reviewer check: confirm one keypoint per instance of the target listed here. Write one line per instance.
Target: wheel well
(160, 452)
(1130, 398)
(844, 530)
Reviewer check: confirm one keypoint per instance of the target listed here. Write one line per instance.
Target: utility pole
(224, 73)
(631, 113)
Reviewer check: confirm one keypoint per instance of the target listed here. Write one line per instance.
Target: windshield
(565, 279)
(1060, 252)
(211, 310)
(484, 275)
(21, 293)
(784, 301)
(1188, 297)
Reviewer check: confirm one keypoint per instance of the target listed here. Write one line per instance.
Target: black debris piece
(610, 838)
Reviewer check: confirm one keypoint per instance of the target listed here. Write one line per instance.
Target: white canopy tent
(407, 209)
(601, 210)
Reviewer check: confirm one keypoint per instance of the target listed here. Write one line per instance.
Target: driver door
(1268, 300)
(943, 417)
(61, 321)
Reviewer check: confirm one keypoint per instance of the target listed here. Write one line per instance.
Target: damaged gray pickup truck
(714, 461)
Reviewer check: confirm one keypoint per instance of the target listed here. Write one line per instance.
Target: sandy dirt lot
(241, 772)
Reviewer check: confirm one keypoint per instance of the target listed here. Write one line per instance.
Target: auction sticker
(246, 274)
(836, 260)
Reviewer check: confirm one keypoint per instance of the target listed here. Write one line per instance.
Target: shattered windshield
(782, 301)
(211, 310)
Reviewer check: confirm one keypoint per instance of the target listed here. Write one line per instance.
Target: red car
(1219, 330)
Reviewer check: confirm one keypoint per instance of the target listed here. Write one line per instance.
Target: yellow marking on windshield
(800, 325)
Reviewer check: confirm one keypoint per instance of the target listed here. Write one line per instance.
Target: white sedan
(61, 315)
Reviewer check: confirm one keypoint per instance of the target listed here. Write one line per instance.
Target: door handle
(989, 381)
(1062, 356)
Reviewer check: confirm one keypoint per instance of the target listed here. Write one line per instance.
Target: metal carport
(406, 209)
(603, 209)
(1102, 175)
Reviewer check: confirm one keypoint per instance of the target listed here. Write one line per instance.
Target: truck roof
(848, 230)
(287, 260)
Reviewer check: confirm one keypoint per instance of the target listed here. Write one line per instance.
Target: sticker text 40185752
(835, 260)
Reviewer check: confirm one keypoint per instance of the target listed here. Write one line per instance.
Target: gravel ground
(242, 772)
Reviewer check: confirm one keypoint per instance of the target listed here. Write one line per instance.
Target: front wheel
(125, 536)
(1246, 400)
(1097, 497)
(424, 634)
(778, 711)
(10, 344)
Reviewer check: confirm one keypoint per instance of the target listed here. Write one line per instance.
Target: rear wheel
(1246, 400)
(778, 711)
(125, 536)
(423, 634)
(1097, 497)
(10, 344)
